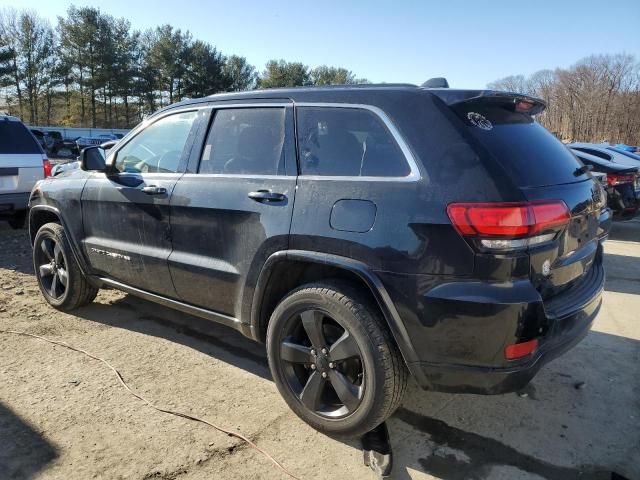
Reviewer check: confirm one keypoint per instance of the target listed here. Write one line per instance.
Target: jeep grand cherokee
(362, 232)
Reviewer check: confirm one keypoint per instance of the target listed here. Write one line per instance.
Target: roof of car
(8, 118)
(368, 93)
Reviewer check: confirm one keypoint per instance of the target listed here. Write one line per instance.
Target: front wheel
(333, 359)
(60, 279)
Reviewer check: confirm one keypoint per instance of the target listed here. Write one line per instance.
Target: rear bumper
(490, 381)
(12, 203)
(459, 329)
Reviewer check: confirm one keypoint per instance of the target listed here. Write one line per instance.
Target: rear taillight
(46, 165)
(507, 226)
(617, 179)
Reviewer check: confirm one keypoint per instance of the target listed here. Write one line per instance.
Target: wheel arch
(39, 215)
(269, 291)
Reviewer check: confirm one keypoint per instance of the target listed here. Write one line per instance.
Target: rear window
(530, 154)
(15, 138)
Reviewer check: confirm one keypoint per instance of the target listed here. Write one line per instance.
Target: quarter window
(245, 141)
(159, 147)
(336, 141)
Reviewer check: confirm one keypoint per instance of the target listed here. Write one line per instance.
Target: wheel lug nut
(313, 366)
(324, 351)
(332, 365)
(313, 352)
(324, 374)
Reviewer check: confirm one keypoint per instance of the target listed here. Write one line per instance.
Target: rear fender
(388, 309)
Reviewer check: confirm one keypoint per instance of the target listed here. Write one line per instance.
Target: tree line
(595, 100)
(95, 70)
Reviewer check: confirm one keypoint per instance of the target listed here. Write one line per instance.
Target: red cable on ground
(155, 407)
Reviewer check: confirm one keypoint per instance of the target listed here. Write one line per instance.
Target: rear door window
(352, 142)
(529, 153)
(245, 141)
(16, 138)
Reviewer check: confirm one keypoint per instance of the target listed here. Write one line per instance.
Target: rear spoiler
(520, 102)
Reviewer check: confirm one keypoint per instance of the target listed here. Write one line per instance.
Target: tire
(17, 221)
(362, 361)
(53, 261)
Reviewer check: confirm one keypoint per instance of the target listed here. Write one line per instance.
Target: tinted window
(347, 142)
(530, 154)
(16, 138)
(159, 147)
(246, 141)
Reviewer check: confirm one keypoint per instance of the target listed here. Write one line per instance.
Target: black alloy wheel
(52, 268)
(61, 281)
(322, 364)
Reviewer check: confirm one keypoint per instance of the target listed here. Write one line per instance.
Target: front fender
(36, 221)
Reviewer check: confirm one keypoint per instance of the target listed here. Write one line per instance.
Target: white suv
(22, 164)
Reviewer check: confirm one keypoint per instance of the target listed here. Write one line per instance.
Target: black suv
(363, 233)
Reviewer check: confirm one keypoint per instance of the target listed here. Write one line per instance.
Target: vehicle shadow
(626, 231)
(466, 436)
(623, 273)
(577, 420)
(139, 315)
(24, 451)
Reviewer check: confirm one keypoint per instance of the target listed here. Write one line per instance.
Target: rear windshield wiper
(582, 170)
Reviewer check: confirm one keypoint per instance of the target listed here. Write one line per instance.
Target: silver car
(22, 164)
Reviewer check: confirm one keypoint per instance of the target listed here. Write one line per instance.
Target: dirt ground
(65, 416)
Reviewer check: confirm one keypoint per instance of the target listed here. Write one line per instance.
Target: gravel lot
(65, 416)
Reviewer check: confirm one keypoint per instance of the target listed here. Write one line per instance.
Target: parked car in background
(40, 137)
(84, 142)
(73, 164)
(622, 183)
(362, 232)
(608, 153)
(626, 148)
(62, 147)
(22, 163)
(635, 157)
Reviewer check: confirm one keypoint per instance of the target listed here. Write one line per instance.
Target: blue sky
(471, 43)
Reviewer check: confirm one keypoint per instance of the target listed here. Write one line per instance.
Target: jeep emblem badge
(479, 121)
(546, 268)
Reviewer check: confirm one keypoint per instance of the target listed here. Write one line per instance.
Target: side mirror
(93, 159)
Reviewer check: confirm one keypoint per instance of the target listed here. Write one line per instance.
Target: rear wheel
(61, 282)
(333, 359)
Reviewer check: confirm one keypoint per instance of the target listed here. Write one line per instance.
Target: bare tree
(596, 100)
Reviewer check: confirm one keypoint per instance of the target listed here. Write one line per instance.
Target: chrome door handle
(154, 190)
(266, 196)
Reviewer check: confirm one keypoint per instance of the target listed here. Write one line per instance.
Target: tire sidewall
(374, 376)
